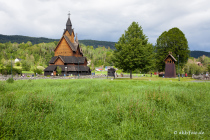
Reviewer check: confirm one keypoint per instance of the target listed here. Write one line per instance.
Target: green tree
(133, 50)
(172, 41)
(59, 70)
(25, 65)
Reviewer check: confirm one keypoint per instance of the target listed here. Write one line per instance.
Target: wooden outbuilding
(170, 69)
(68, 55)
(111, 72)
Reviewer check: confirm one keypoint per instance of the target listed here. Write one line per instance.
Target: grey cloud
(107, 20)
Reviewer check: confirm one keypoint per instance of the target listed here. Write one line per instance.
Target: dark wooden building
(68, 55)
(170, 70)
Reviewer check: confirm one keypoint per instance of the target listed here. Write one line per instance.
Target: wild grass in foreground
(104, 109)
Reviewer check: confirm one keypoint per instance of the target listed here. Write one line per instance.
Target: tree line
(132, 53)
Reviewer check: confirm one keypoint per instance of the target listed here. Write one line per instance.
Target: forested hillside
(96, 43)
(20, 39)
(197, 54)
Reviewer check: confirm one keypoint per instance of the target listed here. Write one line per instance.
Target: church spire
(68, 23)
(76, 39)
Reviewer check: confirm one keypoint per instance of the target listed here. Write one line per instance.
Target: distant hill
(96, 43)
(197, 54)
(20, 39)
(36, 40)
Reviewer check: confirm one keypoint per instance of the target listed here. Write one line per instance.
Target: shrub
(7, 70)
(39, 71)
(10, 80)
(17, 63)
(59, 70)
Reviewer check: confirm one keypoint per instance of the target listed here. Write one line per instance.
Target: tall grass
(103, 109)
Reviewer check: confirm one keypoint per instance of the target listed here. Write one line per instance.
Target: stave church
(68, 55)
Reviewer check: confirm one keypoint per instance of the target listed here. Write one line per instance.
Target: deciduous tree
(133, 50)
(172, 41)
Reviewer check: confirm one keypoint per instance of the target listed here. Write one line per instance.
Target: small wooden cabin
(68, 55)
(170, 70)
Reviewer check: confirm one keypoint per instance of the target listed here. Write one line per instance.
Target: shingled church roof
(68, 59)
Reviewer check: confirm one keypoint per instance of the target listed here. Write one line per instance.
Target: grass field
(141, 108)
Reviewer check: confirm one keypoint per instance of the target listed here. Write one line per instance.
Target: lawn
(140, 108)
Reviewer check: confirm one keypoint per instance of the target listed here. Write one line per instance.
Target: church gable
(63, 48)
(59, 61)
(70, 37)
(78, 53)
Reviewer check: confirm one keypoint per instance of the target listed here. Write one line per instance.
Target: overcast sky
(107, 20)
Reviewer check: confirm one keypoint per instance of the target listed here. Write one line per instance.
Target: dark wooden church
(68, 55)
(170, 70)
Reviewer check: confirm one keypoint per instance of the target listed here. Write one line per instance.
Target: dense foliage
(197, 66)
(172, 41)
(133, 50)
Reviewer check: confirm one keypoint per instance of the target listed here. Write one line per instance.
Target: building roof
(68, 59)
(73, 46)
(69, 68)
(50, 68)
(170, 55)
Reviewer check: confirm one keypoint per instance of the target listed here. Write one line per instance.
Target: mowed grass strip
(104, 109)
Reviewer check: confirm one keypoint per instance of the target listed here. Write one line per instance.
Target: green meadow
(141, 108)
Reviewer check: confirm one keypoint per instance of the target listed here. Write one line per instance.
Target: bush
(17, 63)
(59, 70)
(10, 80)
(7, 70)
(38, 71)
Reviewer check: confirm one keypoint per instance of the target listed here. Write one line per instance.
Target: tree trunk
(130, 74)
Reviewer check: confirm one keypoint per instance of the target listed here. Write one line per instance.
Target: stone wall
(201, 77)
(3, 78)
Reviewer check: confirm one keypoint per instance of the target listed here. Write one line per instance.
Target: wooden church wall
(63, 49)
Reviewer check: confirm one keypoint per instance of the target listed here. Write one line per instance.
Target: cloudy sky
(106, 20)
